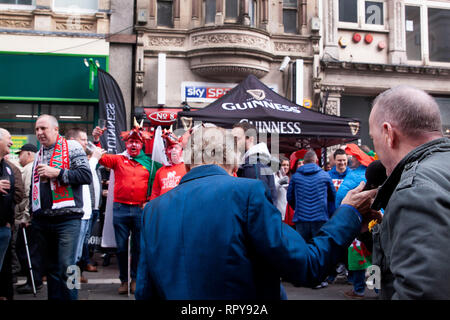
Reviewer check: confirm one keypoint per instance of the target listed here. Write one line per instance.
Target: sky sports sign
(206, 92)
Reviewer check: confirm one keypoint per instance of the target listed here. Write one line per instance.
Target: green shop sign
(49, 77)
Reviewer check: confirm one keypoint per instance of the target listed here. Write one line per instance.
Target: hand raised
(97, 132)
(361, 200)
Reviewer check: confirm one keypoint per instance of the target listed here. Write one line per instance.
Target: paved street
(103, 285)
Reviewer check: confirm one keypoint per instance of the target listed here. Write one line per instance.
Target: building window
(362, 14)
(252, 13)
(21, 2)
(348, 11)
(412, 29)
(290, 14)
(231, 10)
(165, 13)
(427, 29)
(374, 12)
(210, 11)
(19, 118)
(439, 34)
(83, 5)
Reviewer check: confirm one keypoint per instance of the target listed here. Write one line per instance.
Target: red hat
(137, 132)
(170, 138)
(300, 154)
(353, 150)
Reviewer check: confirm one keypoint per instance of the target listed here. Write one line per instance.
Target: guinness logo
(257, 94)
(186, 122)
(354, 127)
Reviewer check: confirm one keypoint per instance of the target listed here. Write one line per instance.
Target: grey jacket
(78, 174)
(412, 244)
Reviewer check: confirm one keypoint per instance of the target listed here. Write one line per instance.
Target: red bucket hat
(353, 150)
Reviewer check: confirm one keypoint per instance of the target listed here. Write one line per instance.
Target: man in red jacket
(134, 174)
(168, 177)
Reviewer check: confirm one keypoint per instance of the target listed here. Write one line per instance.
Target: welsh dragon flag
(359, 258)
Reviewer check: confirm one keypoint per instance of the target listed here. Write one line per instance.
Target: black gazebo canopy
(298, 127)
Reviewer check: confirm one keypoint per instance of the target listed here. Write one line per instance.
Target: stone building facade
(214, 44)
(46, 50)
(169, 53)
(370, 46)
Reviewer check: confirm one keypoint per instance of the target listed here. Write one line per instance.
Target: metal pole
(29, 261)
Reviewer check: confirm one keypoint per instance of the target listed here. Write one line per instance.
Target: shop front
(58, 84)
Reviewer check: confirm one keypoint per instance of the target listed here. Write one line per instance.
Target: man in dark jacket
(59, 171)
(411, 245)
(224, 239)
(257, 158)
(11, 193)
(6, 194)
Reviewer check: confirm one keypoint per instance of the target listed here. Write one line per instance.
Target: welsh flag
(359, 258)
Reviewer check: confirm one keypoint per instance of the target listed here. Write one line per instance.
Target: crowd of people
(229, 227)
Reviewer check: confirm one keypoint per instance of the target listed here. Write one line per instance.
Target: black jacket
(7, 200)
(257, 166)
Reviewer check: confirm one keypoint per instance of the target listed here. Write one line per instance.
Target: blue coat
(351, 181)
(219, 237)
(338, 177)
(311, 192)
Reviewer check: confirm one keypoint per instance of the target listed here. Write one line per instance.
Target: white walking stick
(129, 264)
(29, 261)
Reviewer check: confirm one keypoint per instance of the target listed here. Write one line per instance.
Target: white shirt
(96, 183)
(87, 204)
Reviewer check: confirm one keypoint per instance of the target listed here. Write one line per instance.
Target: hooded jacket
(411, 245)
(257, 166)
(351, 181)
(311, 193)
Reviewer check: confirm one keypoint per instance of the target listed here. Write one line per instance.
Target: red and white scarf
(62, 195)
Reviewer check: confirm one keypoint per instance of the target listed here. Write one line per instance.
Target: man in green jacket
(411, 244)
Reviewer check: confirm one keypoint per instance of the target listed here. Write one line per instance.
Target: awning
(297, 127)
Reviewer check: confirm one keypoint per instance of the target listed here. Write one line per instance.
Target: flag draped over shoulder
(151, 166)
(158, 152)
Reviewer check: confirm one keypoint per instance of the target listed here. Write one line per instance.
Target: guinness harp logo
(354, 127)
(187, 123)
(257, 94)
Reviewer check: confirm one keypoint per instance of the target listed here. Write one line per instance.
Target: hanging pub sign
(162, 116)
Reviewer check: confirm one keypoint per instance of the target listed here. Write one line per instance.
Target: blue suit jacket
(219, 237)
